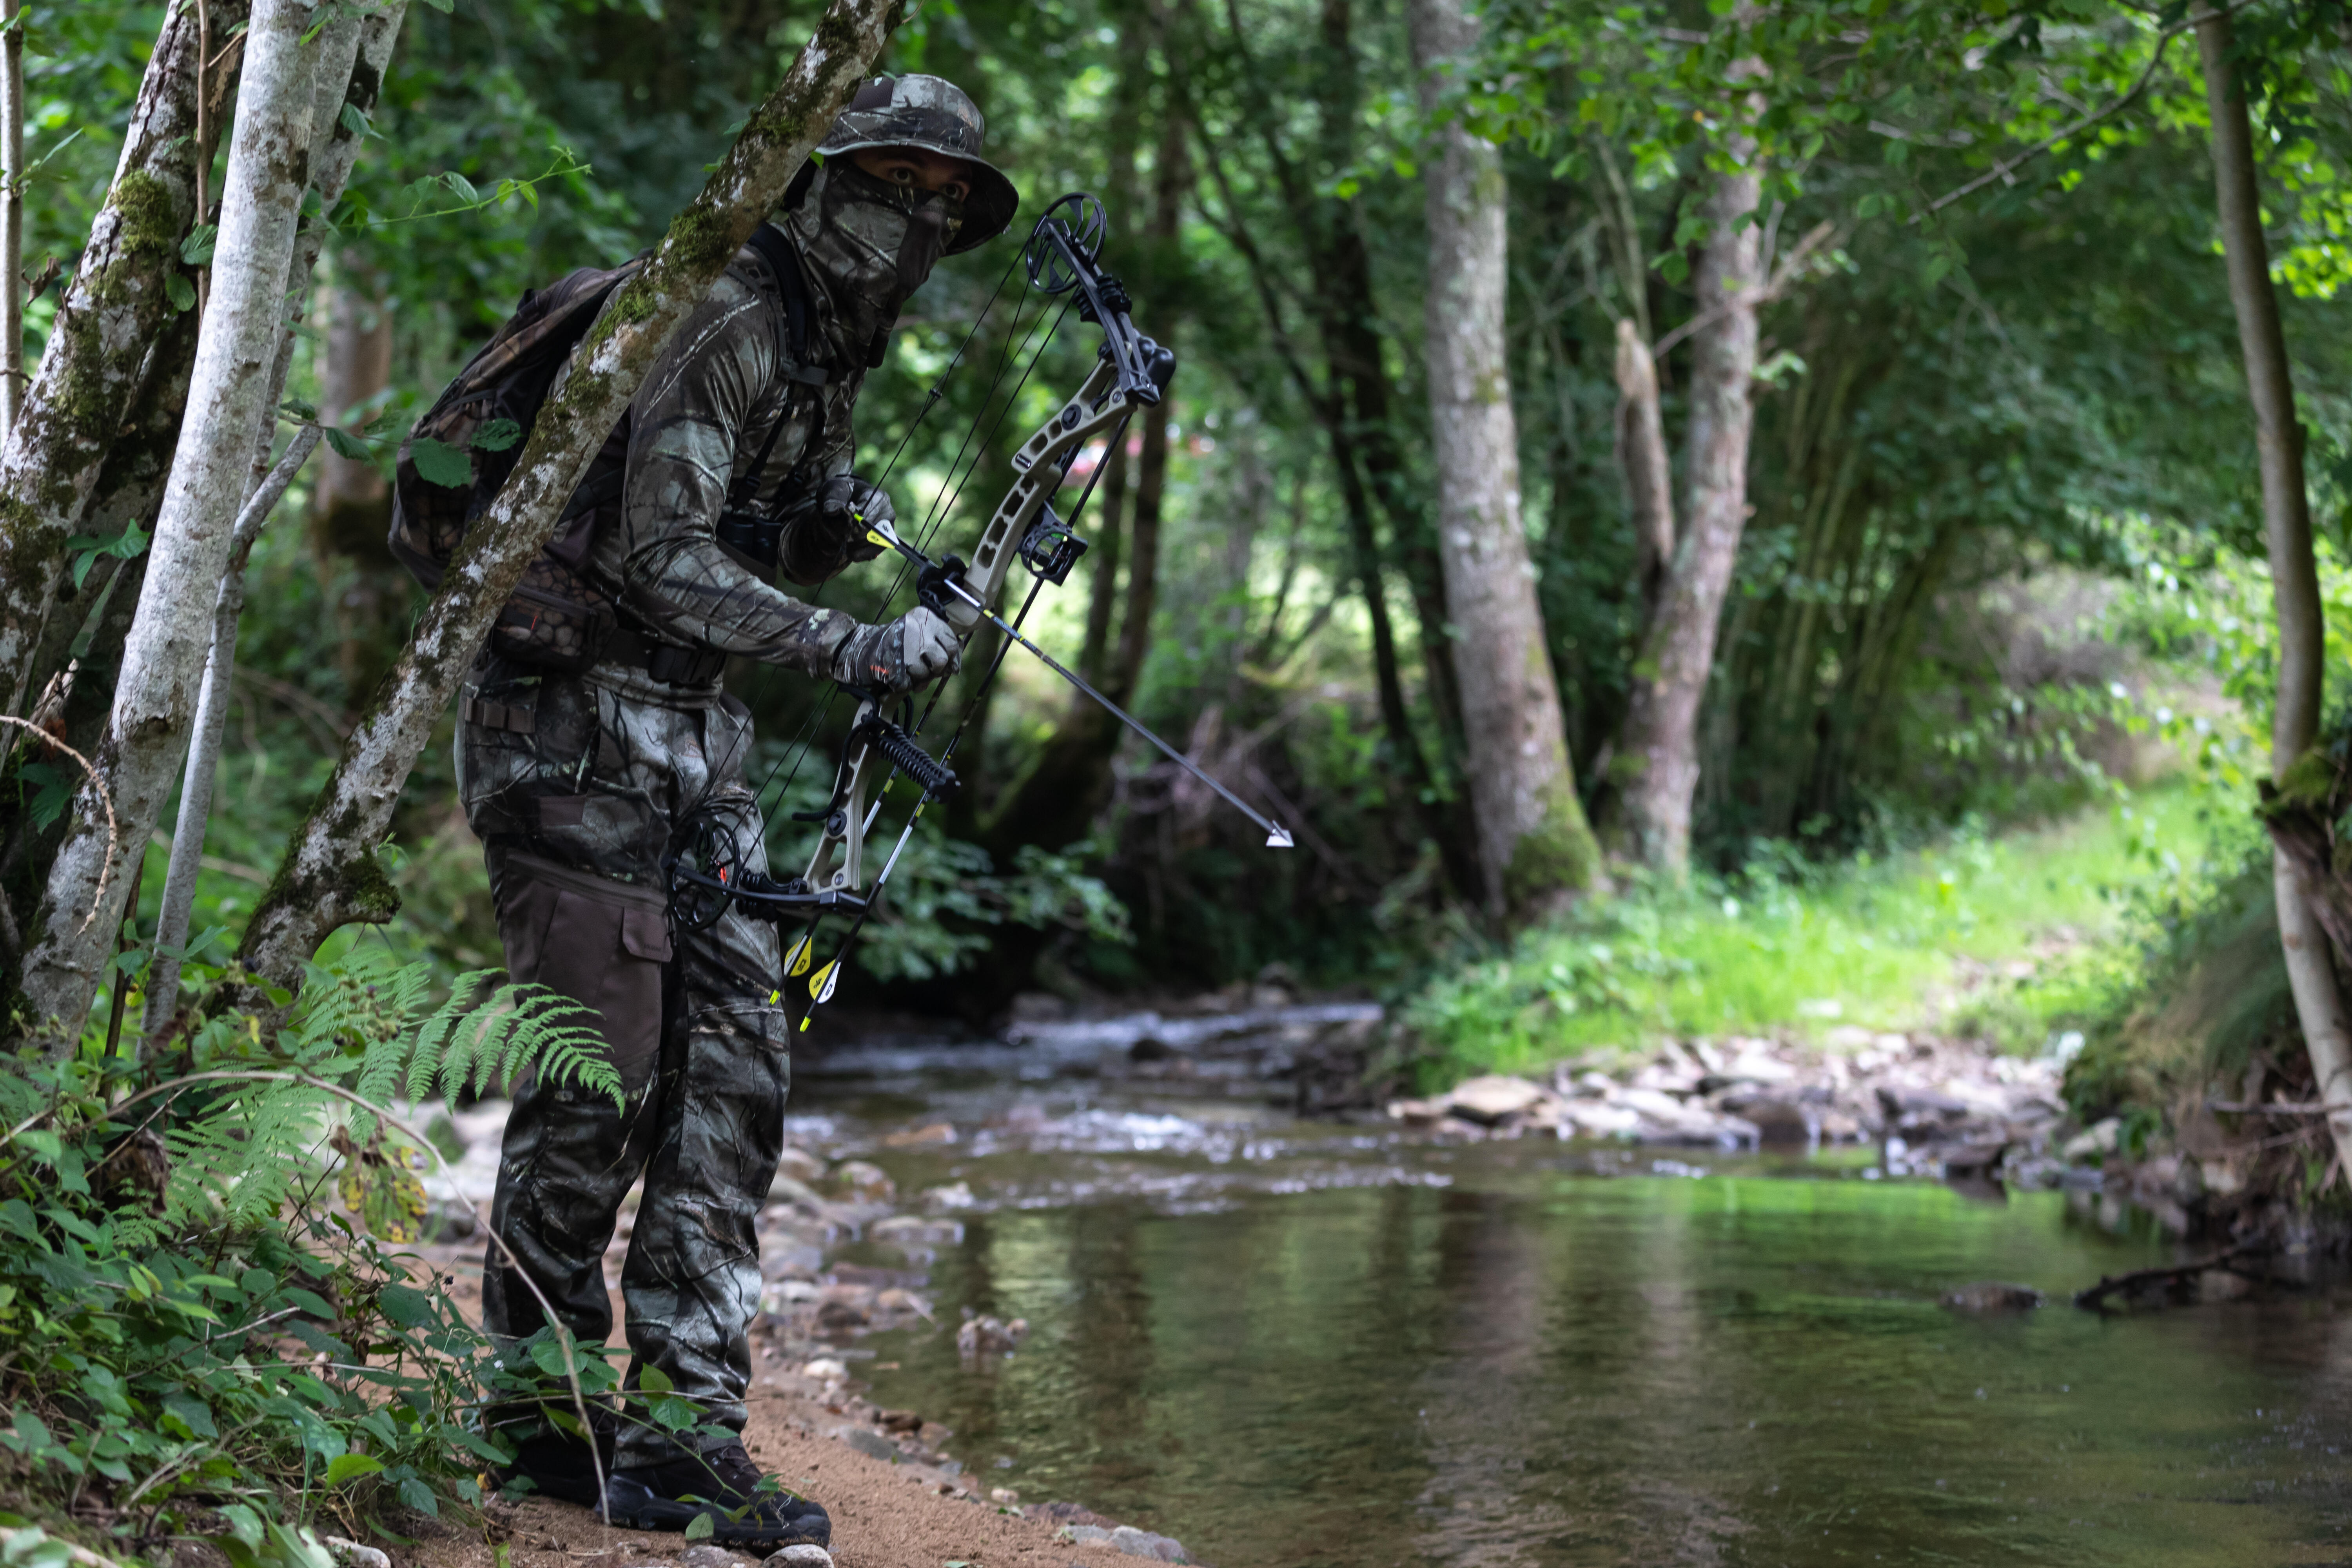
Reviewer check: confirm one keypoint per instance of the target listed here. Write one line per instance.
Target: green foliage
(2012, 934)
(201, 1343)
(367, 1026)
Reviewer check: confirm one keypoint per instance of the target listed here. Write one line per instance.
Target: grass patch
(2006, 935)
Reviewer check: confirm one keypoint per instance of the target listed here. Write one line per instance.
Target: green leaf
(439, 463)
(347, 444)
(652, 1380)
(244, 1525)
(497, 435)
(181, 292)
(354, 119)
(464, 187)
(351, 1467)
(52, 793)
(443, 6)
(547, 1356)
(702, 1527)
(196, 250)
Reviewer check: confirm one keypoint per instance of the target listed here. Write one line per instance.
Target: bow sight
(1130, 371)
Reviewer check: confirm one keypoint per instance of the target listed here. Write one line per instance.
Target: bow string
(705, 874)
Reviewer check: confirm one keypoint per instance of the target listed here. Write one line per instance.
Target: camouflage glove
(827, 532)
(916, 648)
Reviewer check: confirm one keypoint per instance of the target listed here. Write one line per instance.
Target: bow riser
(850, 819)
(1040, 467)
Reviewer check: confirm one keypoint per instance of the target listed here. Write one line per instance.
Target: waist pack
(462, 451)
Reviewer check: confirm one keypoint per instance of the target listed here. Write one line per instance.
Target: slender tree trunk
(1642, 459)
(204, 751)
(350, 504)
(1534, 845)
(1657, 765)
(2295, 574)
(12, 212)
(1102, 590)
(110, 315)
(330, 877)
(154, 702)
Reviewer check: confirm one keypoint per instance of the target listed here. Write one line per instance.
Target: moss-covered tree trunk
(330, 877)
(1534, 845)
(110, 316)
(229, 395)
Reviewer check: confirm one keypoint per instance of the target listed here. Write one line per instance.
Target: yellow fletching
(874, 537)
(816, 981)
(796, 962)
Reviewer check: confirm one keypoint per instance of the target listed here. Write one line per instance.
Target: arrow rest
(705, 873)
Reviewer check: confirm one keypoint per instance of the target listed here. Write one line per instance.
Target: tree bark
(268, 167)
(109, 314)
(1642, 459)
(1657, 762)
(350, 504)
(1534, 845)
(204, 751)
(12, 212)
(330, 877)
(2295, 574)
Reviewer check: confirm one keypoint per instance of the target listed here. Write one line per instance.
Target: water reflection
(1530, 1364)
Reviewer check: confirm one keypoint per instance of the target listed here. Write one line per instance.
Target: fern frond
(475, 1044)
(435, 1034)
(240, 1157)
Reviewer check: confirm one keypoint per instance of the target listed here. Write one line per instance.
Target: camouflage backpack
(460, 454)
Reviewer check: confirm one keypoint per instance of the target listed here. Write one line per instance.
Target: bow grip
(933, 592)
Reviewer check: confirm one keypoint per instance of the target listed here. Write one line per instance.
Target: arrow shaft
(1129, 719)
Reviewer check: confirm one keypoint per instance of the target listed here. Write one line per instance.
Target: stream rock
(1124, 1538)
(1993, 1297)
(1941, 1107)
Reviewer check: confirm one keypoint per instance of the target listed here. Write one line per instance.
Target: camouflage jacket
(697, 426)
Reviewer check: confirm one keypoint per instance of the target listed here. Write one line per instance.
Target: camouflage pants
(576, 785)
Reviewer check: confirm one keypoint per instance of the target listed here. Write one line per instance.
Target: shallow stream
(1300, 1344)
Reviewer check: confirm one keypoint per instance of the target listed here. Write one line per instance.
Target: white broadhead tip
(1279, 839)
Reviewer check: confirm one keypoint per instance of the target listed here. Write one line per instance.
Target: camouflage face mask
(873, 244)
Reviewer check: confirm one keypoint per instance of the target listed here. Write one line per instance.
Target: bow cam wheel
(1079, 219)
(701, 875)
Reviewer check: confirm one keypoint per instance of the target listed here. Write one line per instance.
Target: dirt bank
(883, 1516)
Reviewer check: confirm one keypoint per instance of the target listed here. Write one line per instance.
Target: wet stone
(1993, 1297)
(869, 1442)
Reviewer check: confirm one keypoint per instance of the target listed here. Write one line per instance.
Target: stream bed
(1295, 1344)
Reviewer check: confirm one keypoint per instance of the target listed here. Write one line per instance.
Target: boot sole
(628, 1506)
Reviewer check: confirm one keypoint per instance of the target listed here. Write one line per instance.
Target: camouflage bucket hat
(936, 115)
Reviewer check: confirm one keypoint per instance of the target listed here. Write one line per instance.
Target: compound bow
(705, 872)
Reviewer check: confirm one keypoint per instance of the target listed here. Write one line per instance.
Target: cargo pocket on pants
(601, 943)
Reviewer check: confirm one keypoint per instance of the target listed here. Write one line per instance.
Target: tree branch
(329, 877)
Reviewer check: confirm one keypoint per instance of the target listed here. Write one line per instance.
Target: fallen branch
(2094, 1298)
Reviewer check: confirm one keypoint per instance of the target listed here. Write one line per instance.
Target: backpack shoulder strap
(792, 292)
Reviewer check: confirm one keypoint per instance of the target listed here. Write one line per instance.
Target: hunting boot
(556, 1464)
(723, 1486)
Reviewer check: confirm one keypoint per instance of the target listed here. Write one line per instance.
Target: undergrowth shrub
(206, 1330)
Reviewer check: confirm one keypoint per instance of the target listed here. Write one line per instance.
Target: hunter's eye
(903, 175)
(955, 190)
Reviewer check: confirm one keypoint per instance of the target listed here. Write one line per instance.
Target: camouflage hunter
(739, 455)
